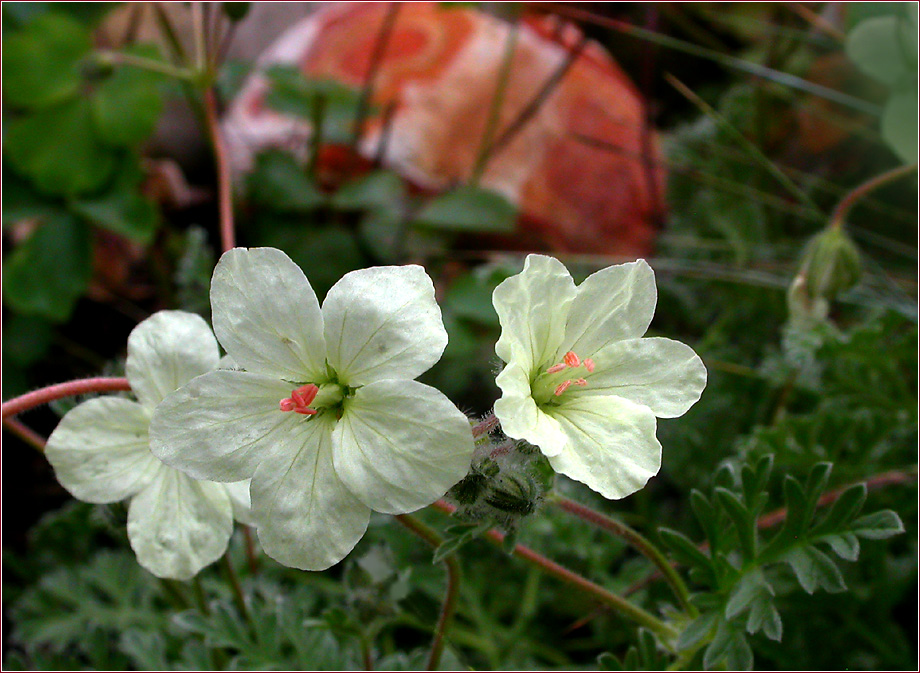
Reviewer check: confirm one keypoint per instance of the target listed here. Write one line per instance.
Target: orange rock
(580, 169)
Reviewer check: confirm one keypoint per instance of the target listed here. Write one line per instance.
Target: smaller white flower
(579, 382)
(324, 414)
(100, 453)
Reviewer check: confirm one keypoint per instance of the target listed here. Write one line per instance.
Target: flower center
(310, 399)
(551, 384)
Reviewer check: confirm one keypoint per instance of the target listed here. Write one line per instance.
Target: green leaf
(20, 200)
(765, 617)
(878, 526)
(294, 94)
(684, 549)
(813, 569)
(697, 630)
(796, 506)
(842, 512)
(56, 148)
(878, 47)
(750, 589)
(127, 105)
(468, 209)
(122, 208)
(41, 62)
(607, 661)
(280, 184)
(470, 296)
(26, 339)
(146, 648)
(46, 274)
(384, 232)
(334, 246)
(380, 189)
(730, 645)
(899, 124)
(745, 523)
(707, 516)
(754, 479)
(845, 545)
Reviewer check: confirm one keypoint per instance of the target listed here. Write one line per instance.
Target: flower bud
(516, 494)
(831, 264)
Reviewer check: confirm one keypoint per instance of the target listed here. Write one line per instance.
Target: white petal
(520, 416)
(166, 351)
(383, 323)
(100, 451)
(238, 492)
(400, 445)
(664, 375)
(306, 517)
(613, 304)
(221, 425)
(532, 308)
(266, 315)
(177, 525)
(611, 444)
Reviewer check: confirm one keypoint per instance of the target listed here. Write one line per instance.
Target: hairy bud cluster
(508, 480)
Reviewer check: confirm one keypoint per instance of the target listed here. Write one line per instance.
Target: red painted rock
(584, 175)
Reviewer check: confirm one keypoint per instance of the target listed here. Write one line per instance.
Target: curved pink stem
(44, 395)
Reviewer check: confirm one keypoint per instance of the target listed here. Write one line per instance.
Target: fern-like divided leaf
(737, 570)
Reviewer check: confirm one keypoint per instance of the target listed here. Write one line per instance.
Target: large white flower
(100, 453)
(579, 382)
(326, 417)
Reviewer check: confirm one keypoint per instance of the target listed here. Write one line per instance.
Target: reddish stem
(878, 481)
(485, 426)
(449, 607)
(45, 395)
(250, 550)
(224, 184)
(26, 434)
(550, 567)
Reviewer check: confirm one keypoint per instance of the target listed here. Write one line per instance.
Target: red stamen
(571, 359)
(300, 400)
(589, 365)
(305, 394)
(562, 387)
(580, 382)
(556, 368)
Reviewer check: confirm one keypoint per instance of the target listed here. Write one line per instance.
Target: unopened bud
(831, 264)
(514, 494)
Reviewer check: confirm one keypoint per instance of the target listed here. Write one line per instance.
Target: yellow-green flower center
(549, 386)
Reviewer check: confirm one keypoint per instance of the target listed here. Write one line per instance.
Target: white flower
(579, 382)
(100, 453)
(326, 418)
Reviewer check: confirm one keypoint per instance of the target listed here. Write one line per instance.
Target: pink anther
(305, 394)
(580, 382)
(300, 400)
(556, 368)
(571, 359)
(589, 365)
(562, 387)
